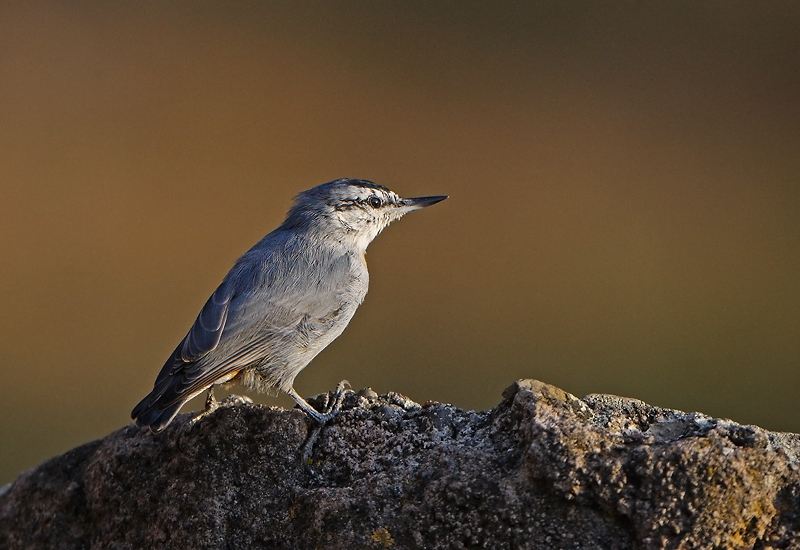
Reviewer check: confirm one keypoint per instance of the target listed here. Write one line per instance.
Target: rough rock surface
(543, 469)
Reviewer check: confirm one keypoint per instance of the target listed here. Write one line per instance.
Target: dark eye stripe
(347, 204)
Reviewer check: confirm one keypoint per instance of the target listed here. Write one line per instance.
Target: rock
(543, 469)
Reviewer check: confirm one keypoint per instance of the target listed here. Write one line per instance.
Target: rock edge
(543, 469)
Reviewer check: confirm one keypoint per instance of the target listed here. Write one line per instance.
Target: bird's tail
(149, 413)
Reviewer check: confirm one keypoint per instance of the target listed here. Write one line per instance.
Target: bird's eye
(375, 202)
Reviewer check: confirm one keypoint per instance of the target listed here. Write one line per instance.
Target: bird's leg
(331, 409)
(211, 401)
(308, 448)
(307, 408)
(211, 405)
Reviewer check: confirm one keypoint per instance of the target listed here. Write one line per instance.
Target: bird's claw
(331, 408)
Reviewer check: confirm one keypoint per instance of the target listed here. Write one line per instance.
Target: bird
(282, 302)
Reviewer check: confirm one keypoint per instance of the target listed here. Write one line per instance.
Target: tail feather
(149, 414)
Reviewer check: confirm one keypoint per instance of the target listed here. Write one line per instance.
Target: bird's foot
(212, 405)
(333, 403)
(331, 408)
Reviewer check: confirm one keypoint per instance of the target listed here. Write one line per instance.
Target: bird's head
(351, 211)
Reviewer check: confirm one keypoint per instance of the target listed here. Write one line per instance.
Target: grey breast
(292, 297)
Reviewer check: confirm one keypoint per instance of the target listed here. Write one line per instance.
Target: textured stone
(543, 469)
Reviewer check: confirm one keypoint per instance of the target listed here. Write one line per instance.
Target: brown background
(624, 213)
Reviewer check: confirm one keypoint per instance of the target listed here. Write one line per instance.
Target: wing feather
(257, 323)
(206, 332)
(202, 338)
(196, 377)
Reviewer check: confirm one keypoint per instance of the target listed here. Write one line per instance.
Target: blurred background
(624, 181)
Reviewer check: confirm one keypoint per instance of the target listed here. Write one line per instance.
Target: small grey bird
(282, 302)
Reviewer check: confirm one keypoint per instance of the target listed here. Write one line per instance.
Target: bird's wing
(207, 330)
(247, 337)
(205, 333)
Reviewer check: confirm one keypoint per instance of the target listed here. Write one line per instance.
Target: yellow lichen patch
(382, 536)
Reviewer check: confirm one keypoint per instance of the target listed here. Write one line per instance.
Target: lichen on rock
(543, 469)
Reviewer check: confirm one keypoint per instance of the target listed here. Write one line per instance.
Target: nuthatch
(282, 302)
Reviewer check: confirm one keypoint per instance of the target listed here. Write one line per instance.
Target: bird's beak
(421, 202)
